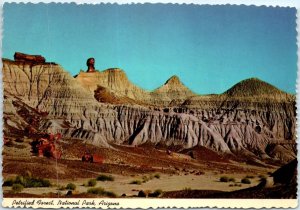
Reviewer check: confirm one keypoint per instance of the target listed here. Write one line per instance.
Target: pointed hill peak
(174, 85)
(173, 80)
(253, 87)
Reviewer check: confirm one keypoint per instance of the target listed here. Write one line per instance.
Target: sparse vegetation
(103, 178)
(92, 182)
(150, 177)
(187, 189)
(71, 186)
(227, 179)
(145, 179)
(224, 179)
(8, 182)
(138, 182)
(16, 188)
(61, 187)
(231, 179)
(27, 181)
(246, 181)
(100, 191)
(156, 193)
(157, 176)
(142, 194)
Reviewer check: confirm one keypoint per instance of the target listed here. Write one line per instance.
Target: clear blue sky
(210, 48)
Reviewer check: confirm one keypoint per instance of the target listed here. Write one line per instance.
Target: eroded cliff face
(261, 126)
(113, 79)
(173, 92)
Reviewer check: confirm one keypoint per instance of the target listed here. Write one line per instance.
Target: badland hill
(251, 121)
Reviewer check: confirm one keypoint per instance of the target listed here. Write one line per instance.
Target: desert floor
(177, 171)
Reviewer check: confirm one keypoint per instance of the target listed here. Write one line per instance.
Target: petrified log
(25, 57)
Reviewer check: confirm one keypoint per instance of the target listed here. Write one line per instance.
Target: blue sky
(210, 48)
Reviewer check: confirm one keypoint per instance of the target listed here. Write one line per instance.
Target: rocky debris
(47, 146)
(223, 123)
(91, 158)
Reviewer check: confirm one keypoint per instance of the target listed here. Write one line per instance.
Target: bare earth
(176, 171)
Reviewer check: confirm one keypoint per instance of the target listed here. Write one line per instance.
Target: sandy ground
(126, 164)
(121, 184)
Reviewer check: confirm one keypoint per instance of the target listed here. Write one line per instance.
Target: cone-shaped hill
(173, 84)
(253, 87)
(172, 92)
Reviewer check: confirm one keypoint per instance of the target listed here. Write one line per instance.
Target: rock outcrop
(173, 92)
(113, 79)
(105, 108)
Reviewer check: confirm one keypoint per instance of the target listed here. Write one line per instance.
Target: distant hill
(253, 87)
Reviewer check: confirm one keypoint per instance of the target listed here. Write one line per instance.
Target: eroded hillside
(259, 124)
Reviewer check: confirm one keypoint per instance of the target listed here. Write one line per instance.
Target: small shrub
(103, 177)
(20, 180)
(246, 181)
(157, 176)
(92, 182)
(27, 181)
(231, 179)
(145, 179)
(60, 187)
(100, 191)
(95, 190)
(71, 186)
(249, 177)
(156, 193)
(224, 179)
(16, 188)
(138, 182)
(8, 182)
(37, 182)
(110, 194)
(231, 185)
(142, 194)
(45, 183)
